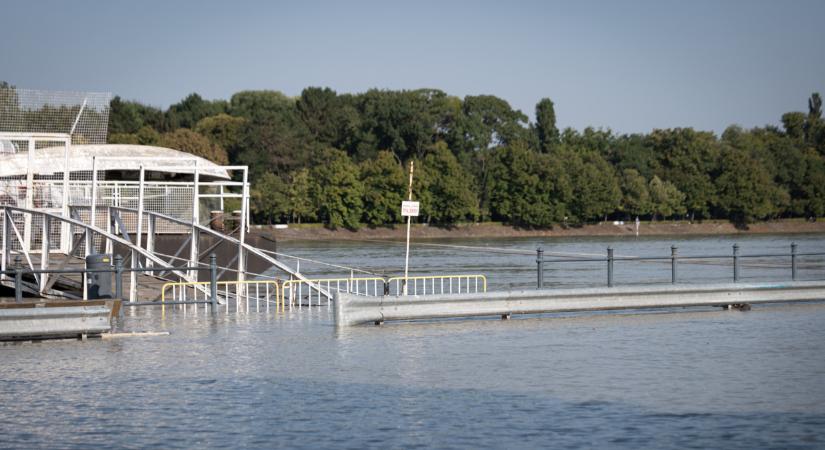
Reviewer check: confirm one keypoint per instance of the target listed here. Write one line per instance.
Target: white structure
(64, 191)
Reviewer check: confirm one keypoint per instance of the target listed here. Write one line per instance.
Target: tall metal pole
(213, 281)
(194, 246)
(27, 224)
(409, 221)
(609, 266)
(673, 250)
(18, 279)
(135, 261)
(539, 268)
(119, 277)
(93, 214)
(65, 227)
(793, 261)
(735, 263)
(242, 235)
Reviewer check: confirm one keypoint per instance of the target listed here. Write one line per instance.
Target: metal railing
(19, 284)
(735, 259)
(437, 284)
(298, 290)
(294, 292)
(243, 293)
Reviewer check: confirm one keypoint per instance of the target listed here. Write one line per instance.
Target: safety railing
(437, 284)
(734, 262)
(240, 293)
(296, 291)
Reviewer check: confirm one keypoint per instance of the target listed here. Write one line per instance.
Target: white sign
(409, 209)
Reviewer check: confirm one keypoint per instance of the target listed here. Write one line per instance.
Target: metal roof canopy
(50, 160)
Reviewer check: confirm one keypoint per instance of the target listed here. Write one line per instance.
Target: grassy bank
(492, 229)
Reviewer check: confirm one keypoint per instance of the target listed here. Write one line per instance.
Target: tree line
(341, 159)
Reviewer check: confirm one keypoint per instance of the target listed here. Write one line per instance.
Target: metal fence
(734, 261)
(243, 294)
(83, 115)
(212, 293)
(437, 284)
(298, 291)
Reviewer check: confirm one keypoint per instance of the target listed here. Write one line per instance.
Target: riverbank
(497, 230)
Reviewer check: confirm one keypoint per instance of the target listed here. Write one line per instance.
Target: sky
(630, 66)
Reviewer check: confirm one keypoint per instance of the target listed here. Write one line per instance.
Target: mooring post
(119, 277)
(793, 261)
(609, 266)
(673, 250)
(735, 263)
(18, 279)
(539, 268)
(213, 281)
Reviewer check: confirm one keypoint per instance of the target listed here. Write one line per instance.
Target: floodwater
(698, 378)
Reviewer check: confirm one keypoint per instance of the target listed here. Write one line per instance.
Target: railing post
(213, 281)
(735, 263)
(673, 250)
(609, 266)
(793, 261)
(18, 279)
(119, 277)
(539, 268)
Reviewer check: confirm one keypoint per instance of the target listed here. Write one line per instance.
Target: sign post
(410, 210)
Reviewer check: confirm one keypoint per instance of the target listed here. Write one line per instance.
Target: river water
(699, 378)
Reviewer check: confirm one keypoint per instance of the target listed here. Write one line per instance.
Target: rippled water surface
(694, 378)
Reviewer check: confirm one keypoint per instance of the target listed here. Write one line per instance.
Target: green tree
(794, 123)
(384, 189)
(814, 126)
(300, 201)
(127, 117)
(635, 195)
(273, 138)
(491, 122)
(270, 198)
(806, 186)
(404, 122)
(147, 135)
(666, 199)
(527, 189)
(337, 190)
(225, 131)
(124, 117)
(123, 138)
(599, 141)
(745, 189)
(630, 151)
(548, 134)
(193, 108)
(596, 192)
(260, 105)
(332, 120)
(450, 197)
(688, 159)
(144, 136)
(189, 141)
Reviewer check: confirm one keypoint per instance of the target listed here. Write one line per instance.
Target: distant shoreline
(496, 230)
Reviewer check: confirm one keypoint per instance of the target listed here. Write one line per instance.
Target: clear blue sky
(629, 66)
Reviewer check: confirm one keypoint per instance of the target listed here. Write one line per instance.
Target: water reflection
(666, 379)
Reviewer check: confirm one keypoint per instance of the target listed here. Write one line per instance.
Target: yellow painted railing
(242, 292)
(296, 290)
(438, 284)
